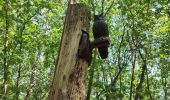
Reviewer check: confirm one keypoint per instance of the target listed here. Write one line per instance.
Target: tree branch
(108, 9)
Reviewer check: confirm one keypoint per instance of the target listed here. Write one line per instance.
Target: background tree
(30, 34)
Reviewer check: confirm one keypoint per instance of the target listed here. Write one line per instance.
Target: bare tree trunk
(70, 73)
(5, 55)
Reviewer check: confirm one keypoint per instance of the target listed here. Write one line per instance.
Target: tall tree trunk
(70, 72)
(5, 55)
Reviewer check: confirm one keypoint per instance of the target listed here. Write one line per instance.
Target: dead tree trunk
(70, 70)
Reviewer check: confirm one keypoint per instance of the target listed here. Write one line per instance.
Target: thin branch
(121, 42)
(102, 7)
(108, 9)
(144, 67)
(133, 52)
(113, 82)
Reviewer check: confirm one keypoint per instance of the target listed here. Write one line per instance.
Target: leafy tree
(139, 57)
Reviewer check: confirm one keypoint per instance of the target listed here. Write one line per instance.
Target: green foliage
(34, 35)
(136, 27)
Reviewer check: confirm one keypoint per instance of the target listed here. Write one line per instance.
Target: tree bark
(70, 72)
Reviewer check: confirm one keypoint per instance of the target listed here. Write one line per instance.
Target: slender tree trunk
(148, 86)
(5, 54)
(97, 96)
(133, 70)
(120, 82)
(113, 82)
(165, 90)
(139, 87)
(17, 83)
(144, 67)
(91, 78)
(32, 80)
(19, 67)
(164, 83)
(70, 73)
(168, 11)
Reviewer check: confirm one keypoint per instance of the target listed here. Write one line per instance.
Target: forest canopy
(138, 63)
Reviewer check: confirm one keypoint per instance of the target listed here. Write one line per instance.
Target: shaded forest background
(138, 65)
